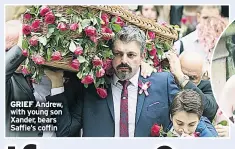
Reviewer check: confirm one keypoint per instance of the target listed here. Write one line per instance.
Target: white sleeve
(177, 46)
(55, 91)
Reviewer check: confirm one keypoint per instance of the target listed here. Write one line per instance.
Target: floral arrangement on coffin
(157, 131)
(79, 41)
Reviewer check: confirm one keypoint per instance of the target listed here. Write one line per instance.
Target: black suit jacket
(208, 99)
(17, 89)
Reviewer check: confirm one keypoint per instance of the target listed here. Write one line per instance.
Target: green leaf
(79, 75)
(94, 21)
(58, 15)
(116, 27)
(81, 59)
(62, 19)
(85, 23)
(72, 46)
(43, 40)
(32, 10)
(25, 44)
(50, 31)
(166, 46)
(49, 53)
(105, 46)
(69, 11)
(79, 29)
(75, 19)
(86, 85)
(224, 123)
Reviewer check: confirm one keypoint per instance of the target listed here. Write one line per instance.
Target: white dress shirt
(132, 101)
(116, 91)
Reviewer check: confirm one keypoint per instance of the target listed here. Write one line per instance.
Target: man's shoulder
(160, 75)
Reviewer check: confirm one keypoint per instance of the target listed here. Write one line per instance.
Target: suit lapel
(140, 101)
(109, 100)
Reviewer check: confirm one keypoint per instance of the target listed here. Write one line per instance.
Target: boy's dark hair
(189, 101)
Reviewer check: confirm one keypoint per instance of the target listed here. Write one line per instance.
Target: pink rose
(73, 27)
(38, 59)
(107, 64)
(94, 39)
(27, 16)
(78, 51)
(24, 70)
(56, 56)
(25, 53)
(75, 64)
(101, 92)
(36, 24)
(119, 21)
(151, 35)
(62, 26)
(33, 41)
(90, 31)
(155, 130)
(97, 61)
(50, 18)
(153, 52)
(105, 19)
(44, 10)
(26, 29)
(100, 73)
(87, 79)
(106, 30)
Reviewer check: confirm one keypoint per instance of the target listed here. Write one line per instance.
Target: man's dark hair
(189, 101)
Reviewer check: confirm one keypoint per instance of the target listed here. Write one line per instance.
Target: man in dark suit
(127, 111)
(188, 72)
(18, 86)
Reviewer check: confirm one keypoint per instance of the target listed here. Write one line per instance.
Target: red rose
(94, 39)
(33, 41)
(75, 64)
(159, 69)
(196, 134)
(25, 53)
(101, 92)
(26, 29)
(119, 21)
(36, 24)
(105, 19)
(24, 70)
(78, 51)
(184, 20)
(155, 130)
(87, 79)
(151, 35)
(106, 30)
(62, 26)
(73, 27)
(153, 52)
(38, 59)
(90, 31)
(100, 73)
(27, 16)
(155, 61)
(107, 64)
(44, 10)
(56, 56)
(97, 61)
(50, 18)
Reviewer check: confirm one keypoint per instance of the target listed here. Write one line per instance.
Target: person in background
(188, 72)
(149, 11)
(210, 26)
(186, 115)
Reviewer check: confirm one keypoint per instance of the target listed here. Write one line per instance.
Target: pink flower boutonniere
(144, 87)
